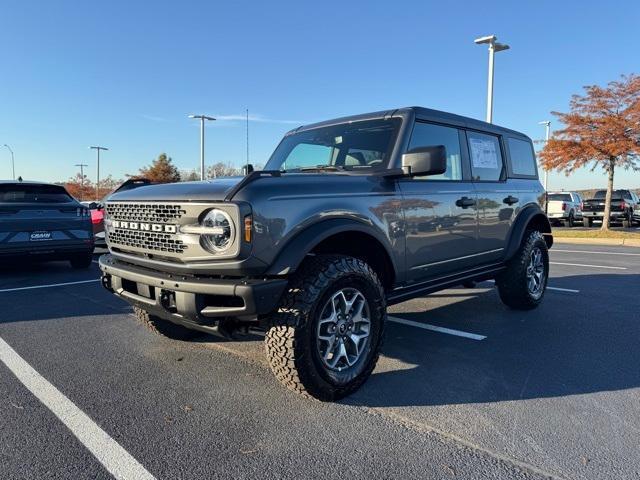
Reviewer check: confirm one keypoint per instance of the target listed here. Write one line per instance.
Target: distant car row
(42, 222)
(568, 208)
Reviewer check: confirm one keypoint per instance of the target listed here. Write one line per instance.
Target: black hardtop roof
(422, 114)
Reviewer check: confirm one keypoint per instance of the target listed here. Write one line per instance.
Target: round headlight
(223, 231)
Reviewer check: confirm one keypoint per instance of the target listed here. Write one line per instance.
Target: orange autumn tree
(602, 129)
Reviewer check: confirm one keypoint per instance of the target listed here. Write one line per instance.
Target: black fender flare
(528, 215)
(296, 249)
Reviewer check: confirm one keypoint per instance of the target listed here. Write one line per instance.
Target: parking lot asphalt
(465, 388)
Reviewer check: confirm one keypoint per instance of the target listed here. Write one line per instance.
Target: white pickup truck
(564, 207)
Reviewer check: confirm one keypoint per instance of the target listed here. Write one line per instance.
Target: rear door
(497, 198)
(439, 210)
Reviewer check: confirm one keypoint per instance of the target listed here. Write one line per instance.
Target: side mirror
(430, 160)
(247, 169)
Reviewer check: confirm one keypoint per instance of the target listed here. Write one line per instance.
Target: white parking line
(594, 252)
(50, 285)
(557, 289)
(106, 450)
(589, 266)
(434, 328)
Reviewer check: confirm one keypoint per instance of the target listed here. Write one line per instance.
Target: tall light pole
(247, 141)
(547, 125)
(493, 48)
(98, 170)
(202, 119)
(81, 165)
(13, 165)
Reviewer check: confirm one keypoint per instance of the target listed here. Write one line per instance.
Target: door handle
(511, 200)
(465, 202)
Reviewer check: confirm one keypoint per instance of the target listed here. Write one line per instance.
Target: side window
(486, 158)
(427, 135)
(523, 161)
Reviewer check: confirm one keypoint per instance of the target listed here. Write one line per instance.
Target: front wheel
(325, 339)
(522, 285)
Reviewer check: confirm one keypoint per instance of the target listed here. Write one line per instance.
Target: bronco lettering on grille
(145, 227)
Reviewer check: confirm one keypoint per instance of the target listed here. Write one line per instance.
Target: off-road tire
(291, 338)
(512, 283)
(587, 222)
(164, 327)
(81, 261)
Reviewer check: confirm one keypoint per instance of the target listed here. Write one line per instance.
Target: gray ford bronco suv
(348, 216)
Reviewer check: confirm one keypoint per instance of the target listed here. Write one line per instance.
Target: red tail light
(564, 206)
(581, 205)
(623, 206)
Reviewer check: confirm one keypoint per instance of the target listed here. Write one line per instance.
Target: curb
(626, 242)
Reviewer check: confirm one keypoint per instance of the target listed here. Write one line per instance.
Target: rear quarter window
(523, 161)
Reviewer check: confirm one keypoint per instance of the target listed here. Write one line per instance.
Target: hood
(209, 190)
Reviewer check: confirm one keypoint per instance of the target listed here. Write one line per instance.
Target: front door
(439, 210)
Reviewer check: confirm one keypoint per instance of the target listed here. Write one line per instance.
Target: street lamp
(98, 170)
(547, 124)
(202, 119)
(81, 165)
(13, 165)
(493, 48)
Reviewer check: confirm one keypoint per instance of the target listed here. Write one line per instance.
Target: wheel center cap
(342, 327)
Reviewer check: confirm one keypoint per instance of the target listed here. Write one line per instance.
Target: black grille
(159, 242)
(144, 212)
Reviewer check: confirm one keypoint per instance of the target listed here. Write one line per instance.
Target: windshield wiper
(330, 168)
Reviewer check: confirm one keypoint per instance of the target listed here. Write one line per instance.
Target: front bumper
(195, 302)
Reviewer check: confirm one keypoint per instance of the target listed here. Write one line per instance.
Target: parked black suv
(349, 216)
(42, 222)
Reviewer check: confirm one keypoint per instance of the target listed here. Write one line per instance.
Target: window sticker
(483, 153)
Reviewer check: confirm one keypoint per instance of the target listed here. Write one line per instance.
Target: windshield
(13, 193)
(563, 197)
(364, 145)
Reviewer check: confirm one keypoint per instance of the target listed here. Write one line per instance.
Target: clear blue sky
(126, 74)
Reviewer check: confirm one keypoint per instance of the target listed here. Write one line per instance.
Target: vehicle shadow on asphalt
(76, 300)
(572, 344)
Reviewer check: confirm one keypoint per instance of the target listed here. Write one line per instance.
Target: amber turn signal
(247, 228)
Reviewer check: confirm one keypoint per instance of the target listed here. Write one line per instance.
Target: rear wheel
(325, 339)
(569, 222)
(164, 327)
(81, 261)
(627, 221)
(522, 285)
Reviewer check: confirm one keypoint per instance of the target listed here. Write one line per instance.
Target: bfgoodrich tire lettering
(292, 340)
(522, 285)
